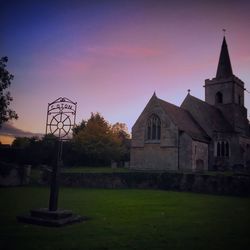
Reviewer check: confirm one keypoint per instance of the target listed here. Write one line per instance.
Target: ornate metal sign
(61, 115)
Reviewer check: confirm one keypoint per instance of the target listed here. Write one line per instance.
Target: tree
(96, 143)
(5, 98)
(79, 127)
(21, 142)
(121, 130)
(34, 150)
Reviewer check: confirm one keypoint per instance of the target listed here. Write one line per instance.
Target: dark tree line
(94, 143)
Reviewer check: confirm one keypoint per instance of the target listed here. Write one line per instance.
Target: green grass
(128, 219)
(94, 170)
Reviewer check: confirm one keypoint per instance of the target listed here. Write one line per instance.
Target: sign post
(61, 115)
(60, 120)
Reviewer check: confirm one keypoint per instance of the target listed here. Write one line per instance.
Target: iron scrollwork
(61, 116)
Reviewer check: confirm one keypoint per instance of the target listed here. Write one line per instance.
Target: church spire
(224, 69)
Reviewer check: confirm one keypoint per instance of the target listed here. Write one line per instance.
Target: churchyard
(127, 219)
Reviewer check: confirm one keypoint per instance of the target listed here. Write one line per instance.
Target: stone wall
(152, 156)
(12, 175)
(192, 182)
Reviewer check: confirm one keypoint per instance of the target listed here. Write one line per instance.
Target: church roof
(184, 121)
(207, 116)
(224, 69)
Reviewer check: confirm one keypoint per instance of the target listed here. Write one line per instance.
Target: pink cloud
(74, 65)
(124, 51)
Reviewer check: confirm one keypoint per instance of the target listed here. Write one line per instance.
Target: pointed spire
(224, 69)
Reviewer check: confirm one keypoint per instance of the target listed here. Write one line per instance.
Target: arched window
(218, 149)
(154, 128)
(226, 149)
(222, 149)
(219, 97)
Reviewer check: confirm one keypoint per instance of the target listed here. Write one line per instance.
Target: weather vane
(224, 31)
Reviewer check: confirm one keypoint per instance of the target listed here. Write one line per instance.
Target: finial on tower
(189, 91)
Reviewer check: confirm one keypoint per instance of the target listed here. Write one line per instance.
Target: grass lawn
(128, 219)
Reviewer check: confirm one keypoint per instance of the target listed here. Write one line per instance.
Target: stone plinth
(45, 217)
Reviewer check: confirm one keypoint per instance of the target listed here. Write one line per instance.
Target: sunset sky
(110, 56)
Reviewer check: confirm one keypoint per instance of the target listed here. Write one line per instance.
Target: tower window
(219, 97)
(153, 128)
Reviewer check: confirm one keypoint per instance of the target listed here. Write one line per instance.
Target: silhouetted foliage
(79, 127)
(35, 151)
(5, 98)
(97, 142)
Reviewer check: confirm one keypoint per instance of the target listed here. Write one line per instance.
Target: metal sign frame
(61, 117)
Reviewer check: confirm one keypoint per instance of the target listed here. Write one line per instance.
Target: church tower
(226, 92)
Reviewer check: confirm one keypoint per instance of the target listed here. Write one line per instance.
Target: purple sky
(110, 56)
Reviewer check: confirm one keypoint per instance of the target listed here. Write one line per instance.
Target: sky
(110, 56)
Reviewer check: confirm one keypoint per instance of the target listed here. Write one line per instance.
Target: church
(199, 135)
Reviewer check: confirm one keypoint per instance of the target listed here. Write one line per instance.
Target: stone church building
(199, 135)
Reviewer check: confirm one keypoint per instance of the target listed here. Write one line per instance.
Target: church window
(154, 128)
(222, 149)
(226, 149)
(218, 149)
(219, 97)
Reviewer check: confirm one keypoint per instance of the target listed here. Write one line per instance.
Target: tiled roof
(207, 116)
(184, 121)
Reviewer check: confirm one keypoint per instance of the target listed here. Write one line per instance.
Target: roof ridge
(187, 124)
(206, 106)
(203, 102)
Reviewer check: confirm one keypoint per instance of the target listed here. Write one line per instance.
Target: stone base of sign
(45, 217)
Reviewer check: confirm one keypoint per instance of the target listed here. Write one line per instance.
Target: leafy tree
(96, 143)
(79, 127)
(121, 130)
(5, 98)
(35, 151)
(21, 142)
